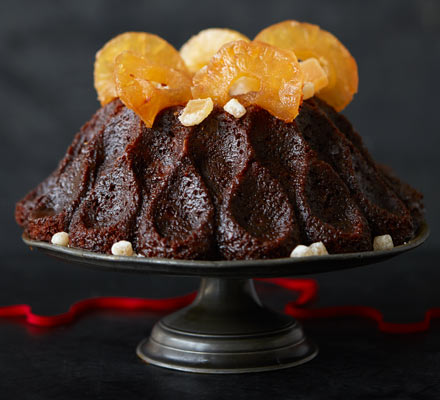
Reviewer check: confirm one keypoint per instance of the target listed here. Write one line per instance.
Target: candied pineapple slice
(308, 41)
(277, 72)
(199, 49)
(155, 49)
(149, 88)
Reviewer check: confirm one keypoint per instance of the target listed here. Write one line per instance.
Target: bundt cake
(222, 188)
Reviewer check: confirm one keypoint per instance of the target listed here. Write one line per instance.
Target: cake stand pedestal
(227, 329)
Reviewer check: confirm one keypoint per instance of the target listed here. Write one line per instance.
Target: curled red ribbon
(307, 290)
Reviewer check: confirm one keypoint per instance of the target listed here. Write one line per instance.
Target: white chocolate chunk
(122, 248)
(383, 242)
(315, 249)
(301, 251)
(196, 111)
(60, 239)
(318, 249)
(243, 85)
(235, 108)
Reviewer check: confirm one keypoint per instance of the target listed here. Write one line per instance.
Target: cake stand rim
(224, 268)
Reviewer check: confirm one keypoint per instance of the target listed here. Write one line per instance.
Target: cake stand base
(226, 330)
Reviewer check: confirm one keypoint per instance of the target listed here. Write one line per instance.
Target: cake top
(285, 64)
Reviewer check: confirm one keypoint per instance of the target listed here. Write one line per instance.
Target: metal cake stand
(227, 329)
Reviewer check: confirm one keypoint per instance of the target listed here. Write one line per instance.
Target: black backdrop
(46, 93)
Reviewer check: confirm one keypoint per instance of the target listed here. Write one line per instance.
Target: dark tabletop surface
(46, 94)
(94, 357)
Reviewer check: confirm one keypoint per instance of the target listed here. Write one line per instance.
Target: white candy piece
(60, 239)
(315, 249)
(122, 248)
(383, 242)
(196, 111)
(235, 108)
(318, 249)
(301, 251)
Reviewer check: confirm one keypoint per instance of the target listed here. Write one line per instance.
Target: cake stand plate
(227, 329)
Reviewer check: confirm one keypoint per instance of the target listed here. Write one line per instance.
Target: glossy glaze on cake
(229, 188)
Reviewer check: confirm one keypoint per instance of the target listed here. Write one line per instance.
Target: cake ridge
(381, 209)
(295, 162)
(154, 220)
(98, 214)
(39, 211)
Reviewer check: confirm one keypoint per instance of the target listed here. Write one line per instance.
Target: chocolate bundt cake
(228, 149)
(227, 188)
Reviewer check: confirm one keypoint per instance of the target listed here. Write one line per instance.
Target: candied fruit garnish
(148, 88)
(199, 49)
(308, 41)
(315, 77)
(276, 70)
(308, 90)
(155, 49)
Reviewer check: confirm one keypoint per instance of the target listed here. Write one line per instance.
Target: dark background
(47, 51)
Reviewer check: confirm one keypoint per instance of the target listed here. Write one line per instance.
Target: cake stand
(227, 329)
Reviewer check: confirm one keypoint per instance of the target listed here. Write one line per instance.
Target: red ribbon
(307, 290)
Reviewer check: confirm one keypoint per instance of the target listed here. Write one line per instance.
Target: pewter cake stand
(227, 329)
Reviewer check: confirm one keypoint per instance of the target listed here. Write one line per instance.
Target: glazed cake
(225, 186)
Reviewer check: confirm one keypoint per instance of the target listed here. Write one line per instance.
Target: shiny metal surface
(223, 268)
(226, 329)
